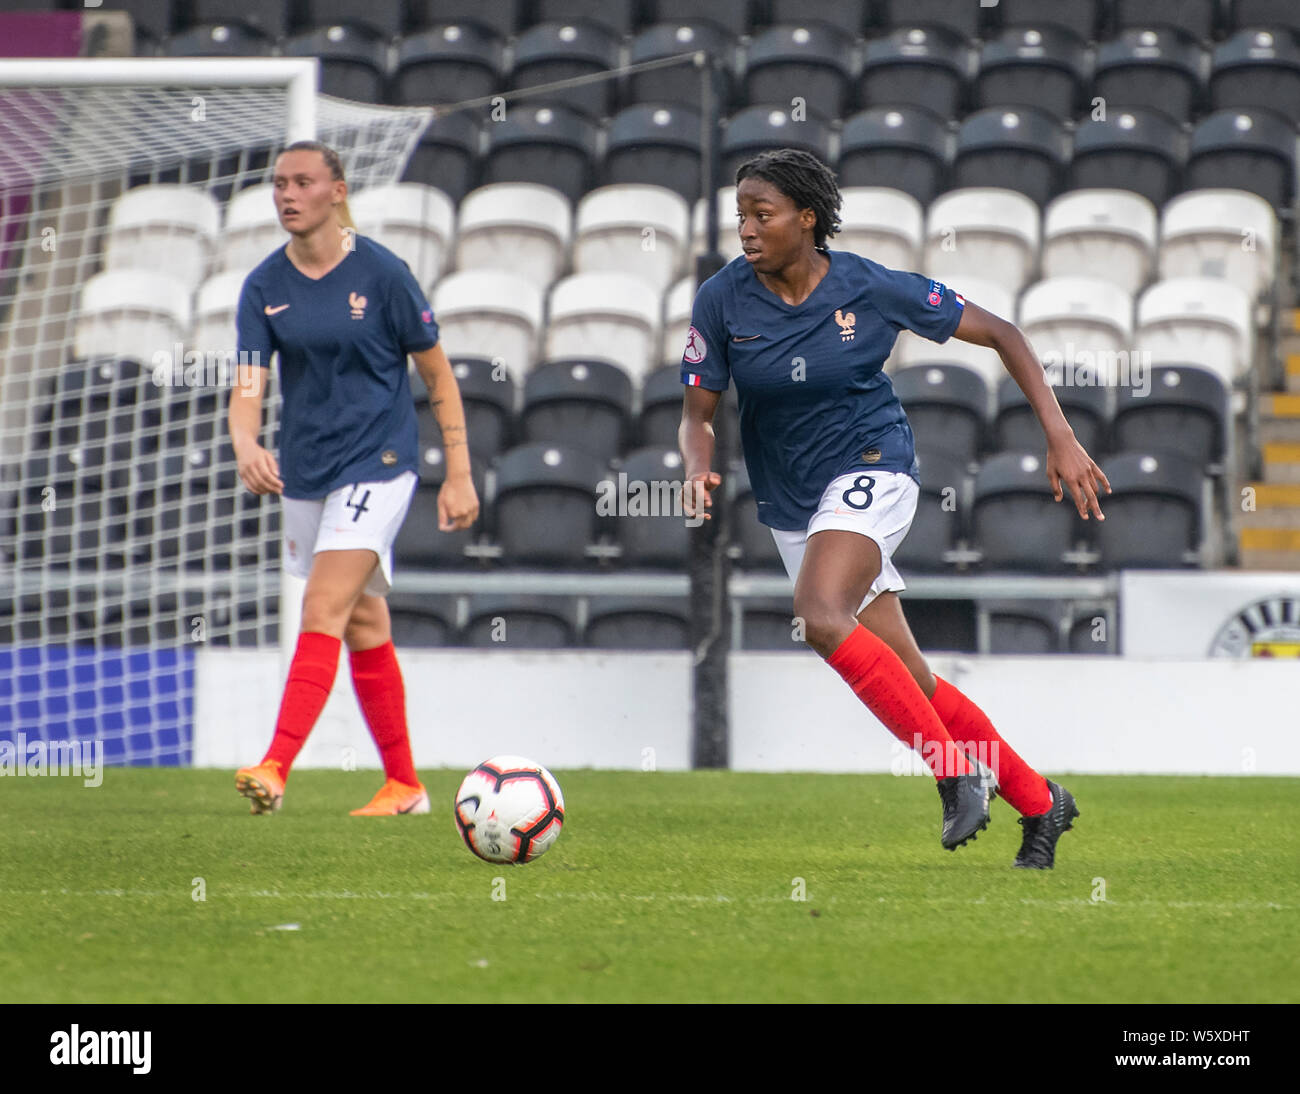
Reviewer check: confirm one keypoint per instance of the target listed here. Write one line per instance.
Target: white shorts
(363, 516)
(877, 504)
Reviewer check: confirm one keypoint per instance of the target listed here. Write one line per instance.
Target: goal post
(127, 543)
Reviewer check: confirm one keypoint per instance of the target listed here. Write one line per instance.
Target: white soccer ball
(509, 809)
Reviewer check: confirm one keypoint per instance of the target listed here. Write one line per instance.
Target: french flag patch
(961, 300)
(692, 379)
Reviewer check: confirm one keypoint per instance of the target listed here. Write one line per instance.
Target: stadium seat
(500, 17)
(545, 144)
(1021, 148)
(518, 226)
(810, 62)
(1082, 18)
(605, 315)
(849, 17)
(921, 67)
(1101, 233)
(130, 313)
(446, 65)
(639, 230)
(413, 221)
(728, 231)
(221, 40)
(152, 22)
(661, 407)
(616, 17)
(768, 623)
(421, 544)
(759, 128)
(487, 393)
(912, 349)
(1040, 67)
(86, 530)
(1199, 18)
(584, 404)
(942, 625)
(731, 16)
(1197, 321)
(882, 224)
(1257, 70)
(1183, 409)
(983, 232)
(353, 61)
(1086, 405)
(421, 621)
(550, 52)
(940, 520)
(521, 622)
(1080, 322)
(902, 147)
(1016, 522)
(1230, 234)
(382, 18)
(1265, 13)
(655, 146)
(251, 230)
(170, 229)
(215, 310)
(1023, 626)
(489, 313)
(1092, 631)
(1155, 68)
(947, 407)
(184, 506)
(545, 504)
(637, 623)
(191, 417)
(1134, 150)
(679, 84)
(650, 525)
(447, 157)
(679, 301)
(1153, 513)
(758, 549)
(1244, 150)
(952, 15)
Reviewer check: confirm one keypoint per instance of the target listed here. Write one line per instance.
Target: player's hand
(457, 504)
(1070, 467)
(696, 494)
(258, 470)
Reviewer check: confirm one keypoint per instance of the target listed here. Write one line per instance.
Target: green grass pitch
(662, 887)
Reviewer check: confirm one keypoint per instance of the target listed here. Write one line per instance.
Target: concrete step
(1279, 419)
(1281, 463)
(1293, 373)
(1276, 505)
(1269, 548)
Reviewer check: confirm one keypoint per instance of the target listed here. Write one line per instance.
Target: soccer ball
(509, 809)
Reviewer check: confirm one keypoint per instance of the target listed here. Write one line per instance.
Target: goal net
(134, 198)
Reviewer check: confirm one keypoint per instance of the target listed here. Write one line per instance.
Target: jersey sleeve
(256, 342)
(917, 303)
(410, 314)
(704, 358)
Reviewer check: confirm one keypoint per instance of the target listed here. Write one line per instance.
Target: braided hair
(805, 180)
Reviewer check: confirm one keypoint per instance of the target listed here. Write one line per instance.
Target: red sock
(1020, 784)
(891, 693)
(377, 678)
(311, 676)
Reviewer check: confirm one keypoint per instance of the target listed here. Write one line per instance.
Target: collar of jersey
(768, 294)
(342, 262)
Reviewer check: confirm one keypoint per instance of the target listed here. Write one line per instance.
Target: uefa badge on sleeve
(696, 349)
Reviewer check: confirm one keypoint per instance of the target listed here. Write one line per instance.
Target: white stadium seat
(610, 316)
(983, 232)
(638, 230)
(168, 228)
(1080, 321)
(884, 225)
(912, 349)
(678, 304)
(489, 313)
(252, 229)
(1197, 321)
(728, 236)
(215, 311)
(1228, 234)
(1101, 233)
(412, 220)
(131, 314)
(523, 227)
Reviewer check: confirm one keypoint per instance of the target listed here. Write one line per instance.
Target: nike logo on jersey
(747, 338)
(276, 310)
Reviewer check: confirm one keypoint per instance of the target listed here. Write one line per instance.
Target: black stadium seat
(1154, 68)
(585, 404)
(1042, 67)
(353, 63)
(637, 623)
(923, 67)
(652, 531)
(655, 145)
(768, 623)
(420, 543)
(757, 547)
(223, 40)
(521, 622)
(959, 16)
(1153, 513)
(731, 16)
(545, 144)
(947, 408)
(678, 84)
(447, 156)
(1266, 13)
(1023, 626)
(498, 17)
(1019, 148)
(1245, 150)
(1257, 69)
(551, 52)
(487, 394)
(1016, 522)
(267, 17)
(545, 504)
(447, 65)
(849, 17)
(762, 127)
(1136, 150)
(1185, 411)
(382, 18)
(940, 520)
(904, 147)
(810, 61)
(1082, 18)
(422, 620)
(1086, 406)
(614, 16)
(1199, 18)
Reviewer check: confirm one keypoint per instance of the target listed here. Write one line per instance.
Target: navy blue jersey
(348, 415)
(814, 403)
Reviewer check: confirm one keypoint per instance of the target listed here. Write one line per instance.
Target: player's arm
(458, 503)
(257, 467)
(695, 439)
(1067, 460)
